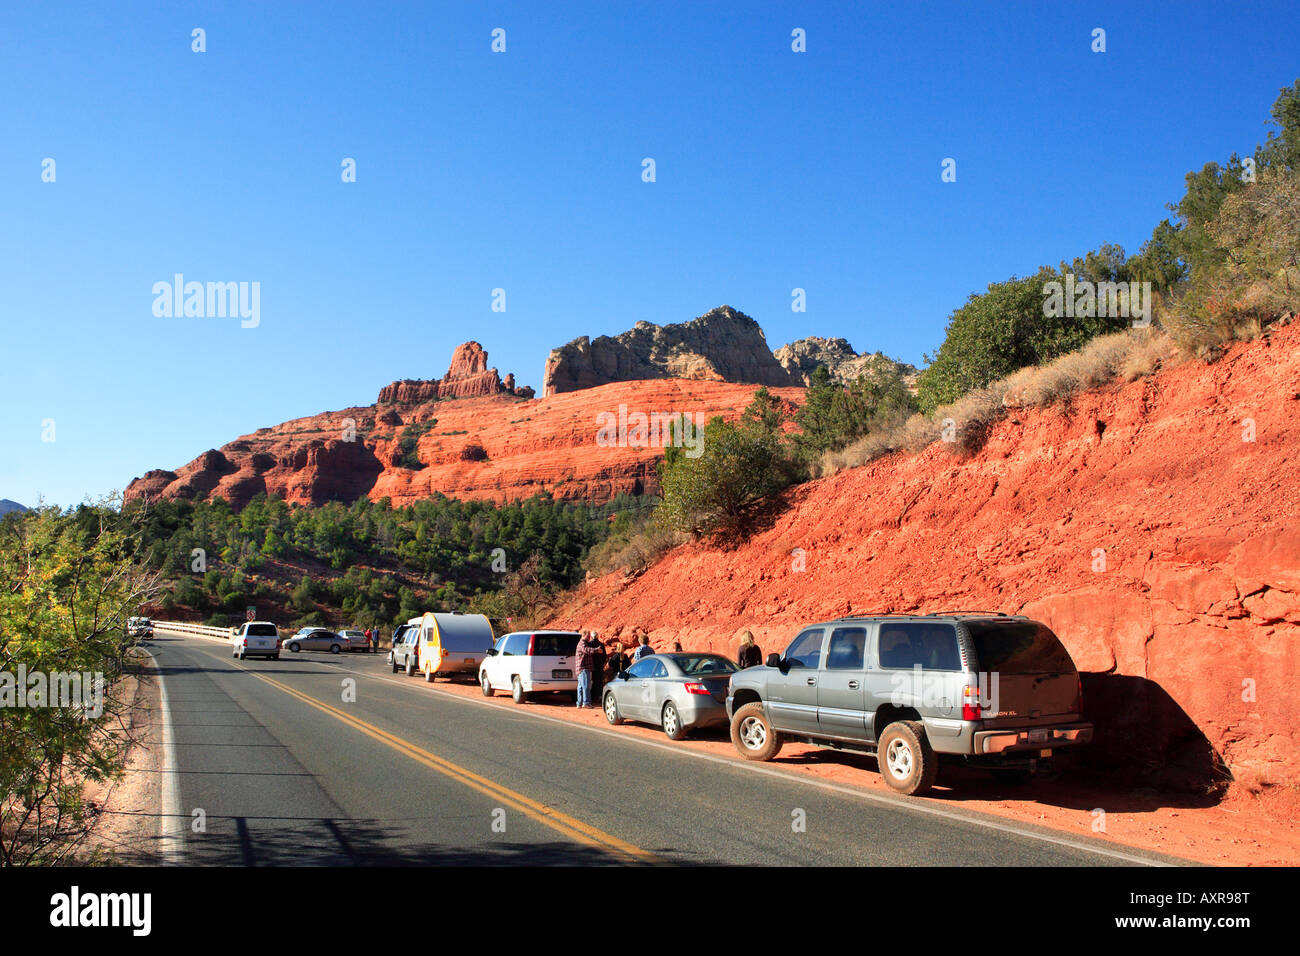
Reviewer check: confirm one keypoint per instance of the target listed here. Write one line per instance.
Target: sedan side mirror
(622, 675)
(773, 660)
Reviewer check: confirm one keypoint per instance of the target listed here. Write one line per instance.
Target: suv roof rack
(970, 614)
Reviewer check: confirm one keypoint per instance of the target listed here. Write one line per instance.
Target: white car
(256, 639)
(531, 662)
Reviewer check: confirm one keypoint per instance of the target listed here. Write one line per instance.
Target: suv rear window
(1018, 647)
(906, 644)
(554, 645)
(261, 630)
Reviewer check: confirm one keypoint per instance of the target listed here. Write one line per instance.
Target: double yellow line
(570, 827)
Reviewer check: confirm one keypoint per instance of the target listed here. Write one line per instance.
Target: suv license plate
(1037, 736)
(562, 675)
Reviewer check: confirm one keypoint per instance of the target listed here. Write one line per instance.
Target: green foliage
(740, 465)
(408, 455)
(70, 582)
(833, 415)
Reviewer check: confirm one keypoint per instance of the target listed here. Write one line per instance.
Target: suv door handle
(812, 681)
(853, 685)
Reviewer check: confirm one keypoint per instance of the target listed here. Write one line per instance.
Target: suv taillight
(1078, 697)
(970, 703)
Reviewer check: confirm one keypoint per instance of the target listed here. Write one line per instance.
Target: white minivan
(260, 638)
(531, 662)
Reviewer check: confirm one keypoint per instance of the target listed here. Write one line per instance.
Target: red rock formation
(467, 377)
(1189, 633)
(531, 446)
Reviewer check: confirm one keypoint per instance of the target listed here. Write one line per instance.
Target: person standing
(598, 675)
(618, 661)
(370, 638)
(645, 650)
(751, 655)
(586, 662)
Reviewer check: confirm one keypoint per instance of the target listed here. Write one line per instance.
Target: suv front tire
(753, 735)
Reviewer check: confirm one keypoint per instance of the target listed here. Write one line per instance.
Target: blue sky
(522, 171)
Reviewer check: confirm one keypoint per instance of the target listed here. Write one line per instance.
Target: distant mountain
(7, 506)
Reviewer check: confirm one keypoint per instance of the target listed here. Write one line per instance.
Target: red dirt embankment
(1154, 526)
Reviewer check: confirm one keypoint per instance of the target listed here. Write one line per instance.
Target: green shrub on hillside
(834, 415)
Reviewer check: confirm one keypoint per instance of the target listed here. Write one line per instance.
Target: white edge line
(790, 777)
(170, 828)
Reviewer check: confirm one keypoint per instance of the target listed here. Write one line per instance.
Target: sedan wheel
(295, 648)
(672, 722)
(334, 648)
(611, 709)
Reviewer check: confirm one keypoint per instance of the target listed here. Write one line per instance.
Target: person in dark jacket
(751, 655)
(617, 661)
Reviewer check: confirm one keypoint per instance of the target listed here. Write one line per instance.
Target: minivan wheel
(907, 761)
(517, 691)
(611, 709)
(485, 684)
(672, 722)
(752, 735)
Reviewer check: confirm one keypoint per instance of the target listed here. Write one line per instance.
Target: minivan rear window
(261, 630)
(1018, 647)
(555, 645)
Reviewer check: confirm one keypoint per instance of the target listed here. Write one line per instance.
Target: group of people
(372, 635)
(597, 665)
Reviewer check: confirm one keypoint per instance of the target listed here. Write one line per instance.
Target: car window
(261, 630)
(806, 651)
(517, 644)
(847, 648)
(659, 669)
(555, 645)
(1018, 647)
(933, 646)
(706, 664)
(500, 645)
(643, 668)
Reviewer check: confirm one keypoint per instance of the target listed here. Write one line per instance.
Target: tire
(334, 648)
(907, 761)
(752, 734)
(486, 684)
(295, 648)
(393, 660)
(611, 709)
(410, 667)
(275, 657)
(671, 721)
(517, 691)
(428, 676)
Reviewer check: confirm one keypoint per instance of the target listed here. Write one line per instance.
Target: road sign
(250, 614)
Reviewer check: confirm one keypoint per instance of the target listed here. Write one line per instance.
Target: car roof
(934, 616)
(540, 631)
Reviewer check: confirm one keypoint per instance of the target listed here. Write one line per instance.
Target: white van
(528, 662)
(447, 644)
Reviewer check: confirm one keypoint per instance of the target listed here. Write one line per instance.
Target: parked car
(256, 639)
(530, 662)
(446, 644)
(404, 649)
(993, 690)
(678, 692)
(316, 639)
(357, 640)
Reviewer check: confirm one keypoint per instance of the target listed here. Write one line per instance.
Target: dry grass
(634, 550)
(965, 424)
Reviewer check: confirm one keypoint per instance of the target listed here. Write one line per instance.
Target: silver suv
(994, 690)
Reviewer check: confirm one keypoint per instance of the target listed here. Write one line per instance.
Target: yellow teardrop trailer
(450, 644)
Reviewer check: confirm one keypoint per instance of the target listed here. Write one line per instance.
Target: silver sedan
(316, 639)
(678, 692)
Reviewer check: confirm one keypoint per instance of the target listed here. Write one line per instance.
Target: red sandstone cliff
(1189, 633)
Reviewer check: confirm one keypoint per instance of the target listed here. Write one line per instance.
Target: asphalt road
(272, 765)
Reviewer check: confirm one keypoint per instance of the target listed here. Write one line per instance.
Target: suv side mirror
(773, 660)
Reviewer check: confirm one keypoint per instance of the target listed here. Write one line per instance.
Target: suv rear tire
(907, 761)
(753, 735)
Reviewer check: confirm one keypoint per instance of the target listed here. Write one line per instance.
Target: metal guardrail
(199, 630)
